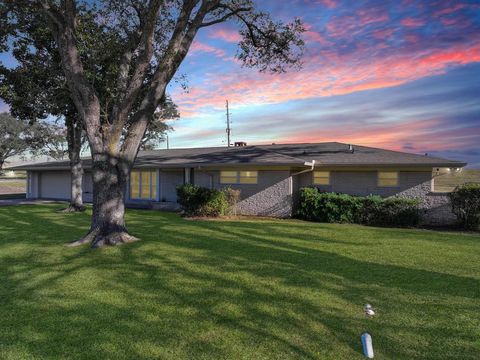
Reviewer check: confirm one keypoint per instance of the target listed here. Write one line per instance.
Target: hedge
(315, 205)
(465, 202)
(201, 201)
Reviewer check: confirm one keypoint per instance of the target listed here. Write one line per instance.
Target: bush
(396, 211)
(314, 205)
(465, 202)
(201, 201)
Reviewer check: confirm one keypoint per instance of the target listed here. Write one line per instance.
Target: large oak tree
(149, 40)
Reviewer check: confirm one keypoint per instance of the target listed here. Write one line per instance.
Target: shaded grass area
(250, 289)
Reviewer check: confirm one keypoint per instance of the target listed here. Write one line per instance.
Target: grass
(12, 186)
(250, 289)
(449, 180)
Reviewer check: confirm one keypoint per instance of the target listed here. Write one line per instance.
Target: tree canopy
(18, 136)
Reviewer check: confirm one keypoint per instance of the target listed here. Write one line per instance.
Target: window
(321, 177)
(143, 185)
(238, 177)
(228, 177)
(387, 178)
(248, 177)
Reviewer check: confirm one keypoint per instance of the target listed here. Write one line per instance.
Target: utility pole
(168, 146)
(228, 124)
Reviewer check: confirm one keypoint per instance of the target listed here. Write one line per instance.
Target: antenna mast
(228, 124)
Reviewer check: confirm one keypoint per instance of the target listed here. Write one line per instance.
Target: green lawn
(251, 289)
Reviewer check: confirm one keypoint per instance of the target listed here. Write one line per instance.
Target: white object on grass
(368, 309)
(367, 345)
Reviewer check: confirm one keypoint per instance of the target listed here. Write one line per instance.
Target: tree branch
(130, 89)
(225, 17)
(177, 49)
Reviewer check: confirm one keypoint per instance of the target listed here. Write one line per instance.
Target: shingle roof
(328, 154)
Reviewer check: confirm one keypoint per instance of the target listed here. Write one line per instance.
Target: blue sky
(403, 75)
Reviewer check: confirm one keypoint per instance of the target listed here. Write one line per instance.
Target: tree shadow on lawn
(213, 290)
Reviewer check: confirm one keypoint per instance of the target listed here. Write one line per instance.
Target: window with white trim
(238, 177)
(388, 178)
(321, 177)
(143, 184)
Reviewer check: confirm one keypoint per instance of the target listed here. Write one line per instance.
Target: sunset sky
(403, 75)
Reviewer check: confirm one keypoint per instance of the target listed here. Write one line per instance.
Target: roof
(324, 154)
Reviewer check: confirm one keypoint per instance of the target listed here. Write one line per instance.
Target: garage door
(55, 185)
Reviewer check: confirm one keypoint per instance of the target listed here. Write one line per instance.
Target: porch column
(187, 176)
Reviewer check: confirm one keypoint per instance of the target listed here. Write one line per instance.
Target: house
(267, 175)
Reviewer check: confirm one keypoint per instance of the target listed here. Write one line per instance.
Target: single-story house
(268, 176)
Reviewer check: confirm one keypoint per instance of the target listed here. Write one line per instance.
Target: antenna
(228, 124)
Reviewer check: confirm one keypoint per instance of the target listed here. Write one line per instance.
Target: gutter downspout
(312, 167)
(306, 163)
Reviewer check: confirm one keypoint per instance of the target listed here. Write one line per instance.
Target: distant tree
(136, 48)
(56, 147)
(158, 128)
(18, 137)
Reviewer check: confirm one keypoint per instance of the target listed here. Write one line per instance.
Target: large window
(238, 177)
(321, 177)
(387, 178)
(143, 185)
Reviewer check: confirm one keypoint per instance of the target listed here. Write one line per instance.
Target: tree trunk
(110, 177)
(74, 141)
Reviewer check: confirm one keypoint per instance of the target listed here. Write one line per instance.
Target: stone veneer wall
(435, 207)
(271, 196)
(274, 200)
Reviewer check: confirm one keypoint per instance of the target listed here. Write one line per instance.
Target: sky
(402, 75)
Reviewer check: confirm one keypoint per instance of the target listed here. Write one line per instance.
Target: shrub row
(315, 205)
(202, 201)
(465, 202)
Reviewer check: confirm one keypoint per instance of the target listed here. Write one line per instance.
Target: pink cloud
(449, 10)
(348, 25)
(412, 22)
(198, 46)
(314, 36)
(225, 35)
(383, 33)
(391, 135)
(326, 74)
(331, 4)
(371, 15)
(342, 26)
